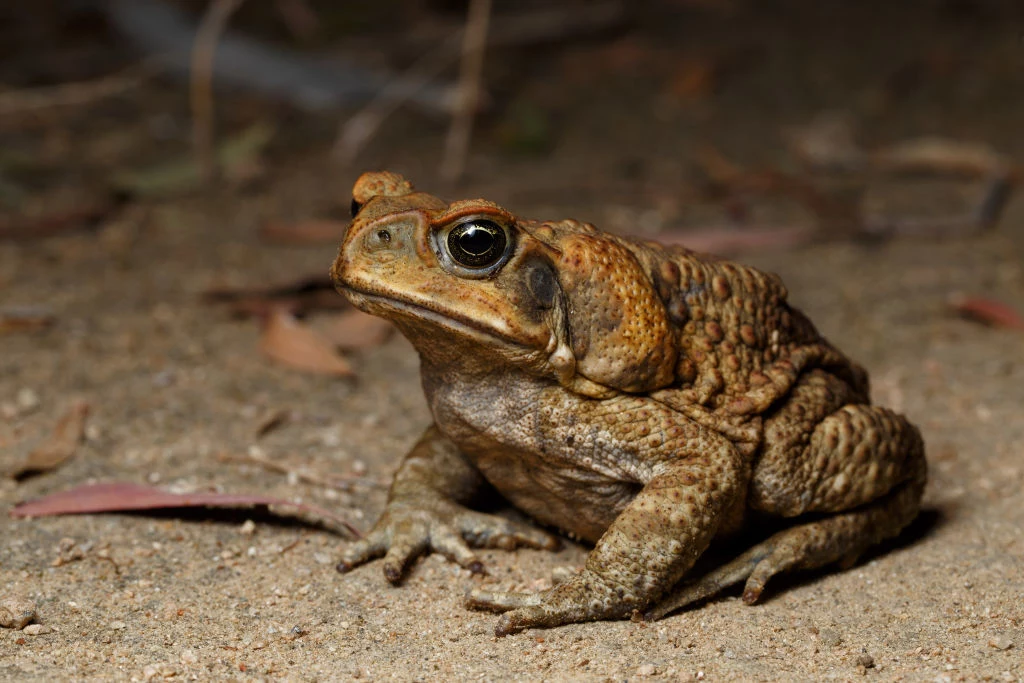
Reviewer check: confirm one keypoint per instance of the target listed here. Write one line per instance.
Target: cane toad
(642, 398)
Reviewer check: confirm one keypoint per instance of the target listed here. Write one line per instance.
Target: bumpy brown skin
(641, 398)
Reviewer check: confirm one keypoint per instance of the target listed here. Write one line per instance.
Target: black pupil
(477, 244)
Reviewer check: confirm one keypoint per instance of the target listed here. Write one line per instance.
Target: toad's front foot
(408, 529)
(584, 597)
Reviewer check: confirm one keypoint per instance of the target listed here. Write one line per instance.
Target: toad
(642, 398)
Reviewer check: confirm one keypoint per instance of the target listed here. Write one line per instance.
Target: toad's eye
(477, 244)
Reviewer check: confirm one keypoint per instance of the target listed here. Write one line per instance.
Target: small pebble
(36, 629)
(248, 528)
(865, 660)
(647, 669)
(118, 625)
(830, 637)
(1000, 643)
(188, 657)
(16, 612)
(28, 400)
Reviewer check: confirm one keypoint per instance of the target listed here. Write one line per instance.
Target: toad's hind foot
(839, 538)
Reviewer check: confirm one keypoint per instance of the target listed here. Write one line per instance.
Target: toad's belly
(580, 502)
(551, 453)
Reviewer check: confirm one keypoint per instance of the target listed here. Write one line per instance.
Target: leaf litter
(131, 497)
(289, 342)
(59, 447)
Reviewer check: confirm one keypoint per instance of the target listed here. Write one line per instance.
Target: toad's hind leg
(842, 537)
(863, 466)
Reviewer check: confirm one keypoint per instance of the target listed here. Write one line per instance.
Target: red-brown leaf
(291, 343)
(987, 311)
(60, 446)
(354, 330)
(126, 497)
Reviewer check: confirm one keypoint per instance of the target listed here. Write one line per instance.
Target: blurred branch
(212, 26)
(474, 42)
(167, 34)
(77, 93)
(358, 129)
(537, 26)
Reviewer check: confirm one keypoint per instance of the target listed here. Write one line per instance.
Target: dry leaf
(24, 320)
(125, 496)
(354, 330)
(291, 343)
(987, 311)
(59, 447)
(310, 231)
(940, 155)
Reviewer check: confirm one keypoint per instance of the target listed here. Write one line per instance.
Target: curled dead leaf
(60, 446)
(289, 342)
(354, 330)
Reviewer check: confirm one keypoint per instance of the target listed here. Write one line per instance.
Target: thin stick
(536, 26)
(354, 133)
(204, 48)
(473, 43)
(75, 93)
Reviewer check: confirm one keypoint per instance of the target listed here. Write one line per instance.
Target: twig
(204, 48)
(468, 94)
(76, 93)
(538, 26)
(354, 133)
(292, 545)
(166, 32)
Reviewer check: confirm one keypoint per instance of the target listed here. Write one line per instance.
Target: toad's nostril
(380, 240)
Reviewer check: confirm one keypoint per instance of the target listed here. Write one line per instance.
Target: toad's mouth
(398, 310)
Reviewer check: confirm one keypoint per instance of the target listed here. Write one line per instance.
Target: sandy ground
(174, 382)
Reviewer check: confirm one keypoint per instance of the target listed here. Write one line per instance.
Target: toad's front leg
(647, 549)
(425, 512)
